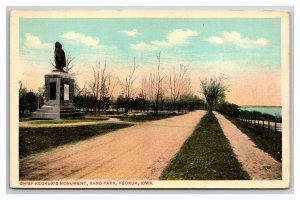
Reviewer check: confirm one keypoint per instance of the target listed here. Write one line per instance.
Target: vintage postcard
(149, 99)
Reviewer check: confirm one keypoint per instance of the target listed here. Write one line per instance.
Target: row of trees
(122, 104)
(30, 101)
(157, 90)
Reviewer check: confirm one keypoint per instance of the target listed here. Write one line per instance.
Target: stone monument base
(51, 112)
(59, 96)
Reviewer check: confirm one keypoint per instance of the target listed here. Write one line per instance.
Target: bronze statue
(59, 57)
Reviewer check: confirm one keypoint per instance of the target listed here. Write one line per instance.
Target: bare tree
(108, 86)
(128, 84)
(144, 91)
(101, 85)
(144, 87)
(158, 84)
(69, 63)
(151, 90)
(213, 90)
(179, 82)
(163, 93)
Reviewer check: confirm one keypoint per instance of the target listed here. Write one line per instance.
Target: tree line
(30, 101)
(157, 91)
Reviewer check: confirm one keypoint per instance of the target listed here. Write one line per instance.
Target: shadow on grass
(34, 140)
(206, 155)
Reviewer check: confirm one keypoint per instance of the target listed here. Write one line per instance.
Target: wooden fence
(269, 124)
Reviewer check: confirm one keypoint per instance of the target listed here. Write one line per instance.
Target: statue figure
(59, 57)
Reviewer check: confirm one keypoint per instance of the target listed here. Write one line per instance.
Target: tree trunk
(98, 106)
(174, 104)
(162, 104)
(156, 108)
(210, 107)
(126, 107)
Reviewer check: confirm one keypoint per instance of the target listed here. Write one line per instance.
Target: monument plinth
(59, 97)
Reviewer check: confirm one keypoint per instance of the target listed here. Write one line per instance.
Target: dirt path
(256, 162)
(138, 152)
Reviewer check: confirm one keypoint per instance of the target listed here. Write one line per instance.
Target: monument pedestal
(59, 96)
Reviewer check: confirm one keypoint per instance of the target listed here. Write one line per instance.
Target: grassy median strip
(265, 139)
(34, 140)
(206, 155)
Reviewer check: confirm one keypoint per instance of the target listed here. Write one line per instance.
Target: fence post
(268, 124)
(275, 126)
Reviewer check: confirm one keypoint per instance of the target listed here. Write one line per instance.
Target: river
(272, 110)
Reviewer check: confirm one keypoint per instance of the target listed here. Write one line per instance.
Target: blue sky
(204, 45)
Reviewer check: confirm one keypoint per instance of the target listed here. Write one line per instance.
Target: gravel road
(139, 152)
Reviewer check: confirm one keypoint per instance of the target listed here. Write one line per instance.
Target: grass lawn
(66, 121)
(206, 155)
(34, 140)
(144, 118)
(265, 139)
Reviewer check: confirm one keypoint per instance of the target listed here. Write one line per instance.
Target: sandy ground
(256, 162)
(138, 152)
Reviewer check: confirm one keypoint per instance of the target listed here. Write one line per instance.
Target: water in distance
(272, 110)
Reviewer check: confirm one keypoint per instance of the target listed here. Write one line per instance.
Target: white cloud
(216, 40)
(262, 41)
(142, 46)
(130, 33)
(82, 38)
(179, 36)
(176, 37)
(237, 39)
(161, 43)
(34, 42)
